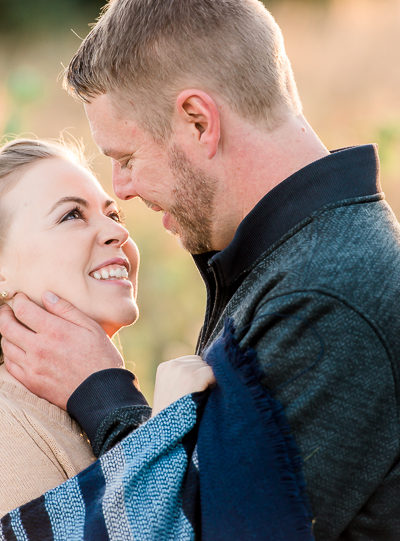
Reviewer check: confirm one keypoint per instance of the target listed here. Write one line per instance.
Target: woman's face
(63, 234)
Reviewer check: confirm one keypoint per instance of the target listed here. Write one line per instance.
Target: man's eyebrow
(79, 201)
(115, 155)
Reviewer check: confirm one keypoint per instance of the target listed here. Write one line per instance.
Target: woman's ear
(6, 289)
(199, 115)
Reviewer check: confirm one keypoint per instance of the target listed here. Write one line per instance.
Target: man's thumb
(64, 309)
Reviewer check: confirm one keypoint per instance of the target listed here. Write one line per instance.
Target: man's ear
(200, 114)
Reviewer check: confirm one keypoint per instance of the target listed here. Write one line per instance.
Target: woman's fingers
(205, 377)
(179, 377)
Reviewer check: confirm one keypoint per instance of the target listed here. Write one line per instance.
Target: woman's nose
(122, 181)
(112, 232)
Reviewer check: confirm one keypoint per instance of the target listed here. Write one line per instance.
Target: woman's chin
(112, 327)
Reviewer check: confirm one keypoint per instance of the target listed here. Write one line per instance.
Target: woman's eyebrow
(109, 202)
(78, 200)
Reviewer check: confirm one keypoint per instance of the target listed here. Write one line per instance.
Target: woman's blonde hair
(18, 153)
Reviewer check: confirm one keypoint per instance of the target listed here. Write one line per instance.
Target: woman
(61, 232)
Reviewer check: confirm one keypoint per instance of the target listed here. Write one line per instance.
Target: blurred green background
(346, 58)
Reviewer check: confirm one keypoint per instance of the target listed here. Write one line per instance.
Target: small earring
(4, 294)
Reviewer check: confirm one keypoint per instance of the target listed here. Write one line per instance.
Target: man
(196, 104)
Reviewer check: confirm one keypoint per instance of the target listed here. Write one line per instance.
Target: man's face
(161, 174)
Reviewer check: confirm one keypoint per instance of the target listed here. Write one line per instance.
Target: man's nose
(122, 182)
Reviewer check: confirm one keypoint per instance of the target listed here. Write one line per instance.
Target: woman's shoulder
(27, 468)
(14, 396)
(39, 426)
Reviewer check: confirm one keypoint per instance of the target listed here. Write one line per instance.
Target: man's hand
(52, 352)
(178, 378)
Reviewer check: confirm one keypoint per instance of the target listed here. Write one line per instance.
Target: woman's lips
(116, 281)
(115, 261)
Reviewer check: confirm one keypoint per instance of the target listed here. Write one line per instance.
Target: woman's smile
(115, 271)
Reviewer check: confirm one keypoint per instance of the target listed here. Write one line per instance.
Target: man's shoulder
(344, 260)
(343, 264)
(344, 250)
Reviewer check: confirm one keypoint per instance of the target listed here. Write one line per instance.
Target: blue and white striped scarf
(215, 466)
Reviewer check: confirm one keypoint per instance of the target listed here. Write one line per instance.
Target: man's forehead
(108, 127)
(99, 112)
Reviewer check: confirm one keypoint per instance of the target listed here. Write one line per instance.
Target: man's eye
(127, 164)
(74, 214)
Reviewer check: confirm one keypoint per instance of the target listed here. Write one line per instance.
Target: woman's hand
(178, 378)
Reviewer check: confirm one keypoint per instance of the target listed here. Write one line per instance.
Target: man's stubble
(193, 207)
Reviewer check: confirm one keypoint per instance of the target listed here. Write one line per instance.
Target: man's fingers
(65, 310)
(13, 330)
(13, 353)
(29, 313)
(4, 308)
(41, 320)
(14, 369)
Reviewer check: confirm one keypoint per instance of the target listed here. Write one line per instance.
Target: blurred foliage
(26, 86)
(44, 15)
(345, 55)
(388, 139)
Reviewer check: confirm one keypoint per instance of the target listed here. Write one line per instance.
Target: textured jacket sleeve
(333, 372)
(108, 406)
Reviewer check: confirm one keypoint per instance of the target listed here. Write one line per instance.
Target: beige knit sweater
(40, 445)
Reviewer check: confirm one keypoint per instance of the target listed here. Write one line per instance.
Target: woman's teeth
(105, 274)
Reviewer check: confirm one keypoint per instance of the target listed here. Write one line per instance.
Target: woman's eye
(114, 216)
(74, 214)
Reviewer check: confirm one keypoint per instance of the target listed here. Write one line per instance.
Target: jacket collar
(344, 174)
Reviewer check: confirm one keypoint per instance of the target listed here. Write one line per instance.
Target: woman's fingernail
(51, 297)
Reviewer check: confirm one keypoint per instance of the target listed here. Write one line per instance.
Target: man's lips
(152, 206)
(166, 221)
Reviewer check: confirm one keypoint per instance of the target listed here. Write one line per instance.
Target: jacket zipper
(214, 309)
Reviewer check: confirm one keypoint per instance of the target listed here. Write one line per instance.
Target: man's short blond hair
(146, 51)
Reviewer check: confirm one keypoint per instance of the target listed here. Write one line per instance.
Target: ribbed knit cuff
(100, 394)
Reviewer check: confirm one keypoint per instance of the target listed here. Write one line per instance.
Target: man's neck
(259, 160)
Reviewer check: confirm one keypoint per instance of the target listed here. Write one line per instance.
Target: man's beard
(193, 207)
